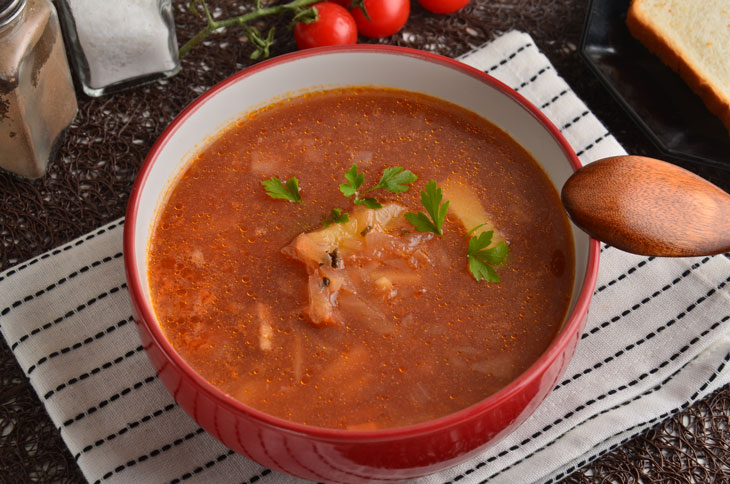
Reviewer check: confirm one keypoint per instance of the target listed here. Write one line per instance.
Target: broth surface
(234, 305)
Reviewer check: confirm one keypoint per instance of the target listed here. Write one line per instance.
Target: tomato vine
(300, 10)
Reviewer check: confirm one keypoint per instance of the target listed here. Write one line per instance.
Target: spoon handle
(649, 207)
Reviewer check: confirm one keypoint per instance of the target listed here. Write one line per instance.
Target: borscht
(361, 258)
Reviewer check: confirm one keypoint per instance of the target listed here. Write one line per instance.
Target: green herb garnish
(356, 180)
(472, 230)
(337, 216)
(431, 199)
(482, 259)
(396, 179)
(275, 188)
(369, 203)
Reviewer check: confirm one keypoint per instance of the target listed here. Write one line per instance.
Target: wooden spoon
(649, 207)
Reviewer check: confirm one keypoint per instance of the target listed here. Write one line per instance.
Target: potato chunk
(466, 206)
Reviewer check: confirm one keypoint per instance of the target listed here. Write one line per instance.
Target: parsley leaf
(396, 179)
(275, 188)
(431, 199)
(356, 180)
(421, 221)
(472, 230)
(482, 259)
(482, 271)
(336, 217)
(369, 203)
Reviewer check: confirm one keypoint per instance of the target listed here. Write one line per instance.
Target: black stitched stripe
(593, 143)
(94, 371)
(503, 453)
(59, 250)
(643, 425)
(113, 398)
(154, 453)
(575, 120)
(200, 469)
(655, 294)
(251, 480)
(76, 310)
(508, 58)
(80, 344)
(533, 78)
(127, 428)
(585, 405)
(60, 282)
(624, 275)
(626, 349)
(555, 98)
(623, 441)
(642, 428)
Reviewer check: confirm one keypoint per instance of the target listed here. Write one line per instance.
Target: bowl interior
(321, 69)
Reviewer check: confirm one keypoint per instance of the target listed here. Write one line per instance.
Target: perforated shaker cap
(9, 10)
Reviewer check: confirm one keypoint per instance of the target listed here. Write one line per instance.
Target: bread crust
(644, 30)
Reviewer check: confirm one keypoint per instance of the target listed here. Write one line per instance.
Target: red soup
(365, 316)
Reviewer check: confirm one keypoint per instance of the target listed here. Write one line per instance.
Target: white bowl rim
(573, 321)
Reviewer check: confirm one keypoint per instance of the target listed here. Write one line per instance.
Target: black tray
(673, 116)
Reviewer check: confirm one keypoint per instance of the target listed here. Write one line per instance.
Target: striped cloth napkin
(657, 339)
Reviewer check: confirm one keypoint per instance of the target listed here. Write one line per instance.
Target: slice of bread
(693, 38)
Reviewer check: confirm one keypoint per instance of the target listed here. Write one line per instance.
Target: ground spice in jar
(37, 98)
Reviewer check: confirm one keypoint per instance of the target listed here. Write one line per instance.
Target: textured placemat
(656, 340)
(89, 181)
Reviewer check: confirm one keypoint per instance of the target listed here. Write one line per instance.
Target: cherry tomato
(387, 17)
(443, 6)
(334, 26)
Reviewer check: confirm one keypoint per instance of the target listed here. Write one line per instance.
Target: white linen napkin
(656, 340)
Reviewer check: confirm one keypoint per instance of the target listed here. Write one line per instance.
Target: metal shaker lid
(9, 10)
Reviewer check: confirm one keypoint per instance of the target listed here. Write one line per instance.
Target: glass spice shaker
(37, 98)
(116, 44)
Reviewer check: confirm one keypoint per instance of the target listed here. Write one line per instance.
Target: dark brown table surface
(89, 181)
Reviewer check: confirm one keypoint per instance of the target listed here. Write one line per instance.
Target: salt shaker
(37, 99)
(115, 44)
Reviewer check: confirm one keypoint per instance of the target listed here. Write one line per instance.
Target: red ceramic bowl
(323, 454)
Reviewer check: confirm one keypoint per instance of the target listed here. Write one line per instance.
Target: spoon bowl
(649, 207)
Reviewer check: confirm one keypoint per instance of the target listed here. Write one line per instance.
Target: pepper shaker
(115, 44)
(37, 98)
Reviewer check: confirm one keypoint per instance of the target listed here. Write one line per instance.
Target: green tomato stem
(259, 12)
